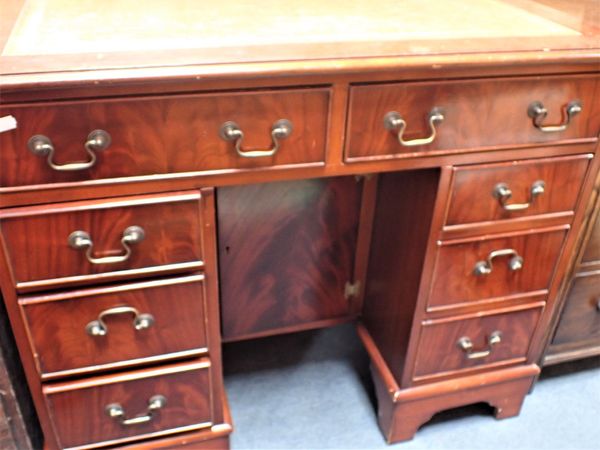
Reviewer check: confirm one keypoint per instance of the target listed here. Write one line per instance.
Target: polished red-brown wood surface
(478, 114)
(440, 355)
(78, 408)
(161, 135)
(401, 224)
(472, 192)
(580, 319)
(177, 307)
(455, 282)
(172, 239)
(286, 251)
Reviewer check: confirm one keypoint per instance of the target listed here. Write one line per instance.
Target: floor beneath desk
(312, 390)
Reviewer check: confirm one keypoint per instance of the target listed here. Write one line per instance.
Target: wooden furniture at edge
(578, 330)
(154, 204)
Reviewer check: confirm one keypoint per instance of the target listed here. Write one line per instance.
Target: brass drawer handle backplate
(538, 113)
(466, 345)
(97, 140)
(231, 131)
(98, 327)
(393, 121)
(503, 193)
(116, 411)
(485, 267)
(82, 240)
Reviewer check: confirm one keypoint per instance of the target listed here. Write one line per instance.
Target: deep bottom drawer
(460, 343)
(119, 408)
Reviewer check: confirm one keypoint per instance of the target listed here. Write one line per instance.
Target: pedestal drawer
(85, 242)
(477, 269)
(516, 189)
(110, 327)
(120, 408)
(580, 320)
(494, 338)
(411, 119)
(90, 140)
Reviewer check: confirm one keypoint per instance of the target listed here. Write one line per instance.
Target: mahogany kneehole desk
(162, 193)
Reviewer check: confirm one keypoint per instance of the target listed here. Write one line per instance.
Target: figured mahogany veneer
(472, 190)
(478, 114)
(79, 412)
(286, 252)
(161, 135)
(301, 243)
(172, 242)
(455, 281)
(177, 307)
(439, 352)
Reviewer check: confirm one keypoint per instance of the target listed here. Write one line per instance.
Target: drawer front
(512, 190)
(110, 248)
(592, 249)
(80, 410)
(476, 114)
(109, 327)
(462, 343)
(162, 135)
(469, 271)
(580, 320)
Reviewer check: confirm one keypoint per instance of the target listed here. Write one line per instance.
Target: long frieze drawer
(478, 269)
(89, 140)
(93, 241)
(409, 119)
(120, 408)
(456, 344)
(516, 189)
(580, 319)
(114, 326)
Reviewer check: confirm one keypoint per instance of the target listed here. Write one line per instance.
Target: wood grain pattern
(472, 198)
(286, 251)
(401, 227)
(439, 353)
(79, 416)
(580, 319)
(478, 114)
(160, 135)
(172, 236)
(177, 305)
(454, 282)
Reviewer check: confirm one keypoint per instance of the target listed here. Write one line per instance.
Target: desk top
(45, 37)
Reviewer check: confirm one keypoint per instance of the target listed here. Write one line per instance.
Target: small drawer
(479, 269)
(512, 190)
(457, 344)
(110, 327)
(125, 137)
(412, 119)
(120, 408)
(580, 319)
(93, 241)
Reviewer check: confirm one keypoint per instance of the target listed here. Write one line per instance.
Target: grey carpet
(311, 390)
